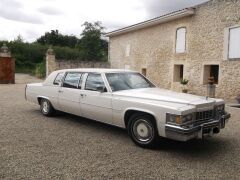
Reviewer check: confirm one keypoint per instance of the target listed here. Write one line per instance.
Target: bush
(40, 71)
(66, 53)
(29, 57)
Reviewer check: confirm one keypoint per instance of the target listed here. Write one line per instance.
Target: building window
(211, 71)
(181, 40)
(178, 73)
(127, 51)
(144, 72)
(234, 43)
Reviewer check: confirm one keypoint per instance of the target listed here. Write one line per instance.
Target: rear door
(95, 104)
(52, 90)
(69, 93)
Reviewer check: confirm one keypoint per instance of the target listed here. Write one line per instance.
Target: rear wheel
(142, 130)
(46, 108)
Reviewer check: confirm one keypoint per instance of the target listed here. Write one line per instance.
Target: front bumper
(206, 129)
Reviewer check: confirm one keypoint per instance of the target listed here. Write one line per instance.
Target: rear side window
(72, 80)
(58, 79)
(93, 82)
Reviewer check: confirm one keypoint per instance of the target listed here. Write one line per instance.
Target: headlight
(220, 108)
(179, 119)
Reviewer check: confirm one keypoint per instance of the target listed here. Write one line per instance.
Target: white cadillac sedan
(129, 100)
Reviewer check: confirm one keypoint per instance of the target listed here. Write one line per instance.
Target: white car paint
(111, 107)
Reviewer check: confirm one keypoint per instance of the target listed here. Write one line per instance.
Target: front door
(69, 93)
(94, 104)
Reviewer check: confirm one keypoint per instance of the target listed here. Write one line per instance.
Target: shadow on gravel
(200, 148)
(95, 125)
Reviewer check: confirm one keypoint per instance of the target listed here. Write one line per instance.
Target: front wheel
(142, 130)
(46, 108)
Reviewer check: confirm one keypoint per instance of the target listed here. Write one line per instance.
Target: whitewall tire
(142, 130)
(46, 108)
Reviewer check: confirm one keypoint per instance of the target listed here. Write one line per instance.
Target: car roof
(97, 70)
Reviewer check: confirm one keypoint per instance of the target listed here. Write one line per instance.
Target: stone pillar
(7, 66)
(5, 52)
(50, 61)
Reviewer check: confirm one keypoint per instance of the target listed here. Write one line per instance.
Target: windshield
(124, 81)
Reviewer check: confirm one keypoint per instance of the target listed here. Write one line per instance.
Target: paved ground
(68, 147)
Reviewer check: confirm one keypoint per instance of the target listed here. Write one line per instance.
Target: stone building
(194, 43)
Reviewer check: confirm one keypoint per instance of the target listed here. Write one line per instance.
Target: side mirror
(101, 89)
(56, 83)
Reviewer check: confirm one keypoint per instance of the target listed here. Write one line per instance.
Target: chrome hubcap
(143, 131)
(45, 107)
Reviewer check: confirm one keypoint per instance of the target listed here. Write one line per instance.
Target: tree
(91, 45)
(19, 39)
(57, 39)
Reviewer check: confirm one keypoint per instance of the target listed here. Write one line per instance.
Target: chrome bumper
(185, 134)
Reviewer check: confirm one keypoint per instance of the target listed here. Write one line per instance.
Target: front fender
(140, 110)
(160, 124)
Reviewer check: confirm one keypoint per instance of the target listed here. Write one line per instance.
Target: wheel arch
(42, 97)
(129, 112)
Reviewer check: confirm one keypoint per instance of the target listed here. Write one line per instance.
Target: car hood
(158, 94)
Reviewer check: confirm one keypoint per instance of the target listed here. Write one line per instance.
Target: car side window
(58, 79)
(93, 82)
(72, 80)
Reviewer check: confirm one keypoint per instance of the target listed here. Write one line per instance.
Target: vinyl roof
(97, 70)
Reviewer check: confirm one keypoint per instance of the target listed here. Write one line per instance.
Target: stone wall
(153, 48)
(53, 64)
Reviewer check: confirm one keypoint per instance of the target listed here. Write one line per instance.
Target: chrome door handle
(83, 95)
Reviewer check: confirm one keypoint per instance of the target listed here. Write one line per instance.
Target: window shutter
(234, 43)
(181, 40)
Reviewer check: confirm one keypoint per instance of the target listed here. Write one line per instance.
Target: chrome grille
(205, 115)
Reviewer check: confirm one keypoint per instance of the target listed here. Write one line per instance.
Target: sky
(32, 18)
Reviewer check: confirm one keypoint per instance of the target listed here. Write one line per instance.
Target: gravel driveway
(69, 147)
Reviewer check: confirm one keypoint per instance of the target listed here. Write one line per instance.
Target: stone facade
(53, 64)
(153, 49)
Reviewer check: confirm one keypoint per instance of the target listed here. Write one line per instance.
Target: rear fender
(42, 97)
